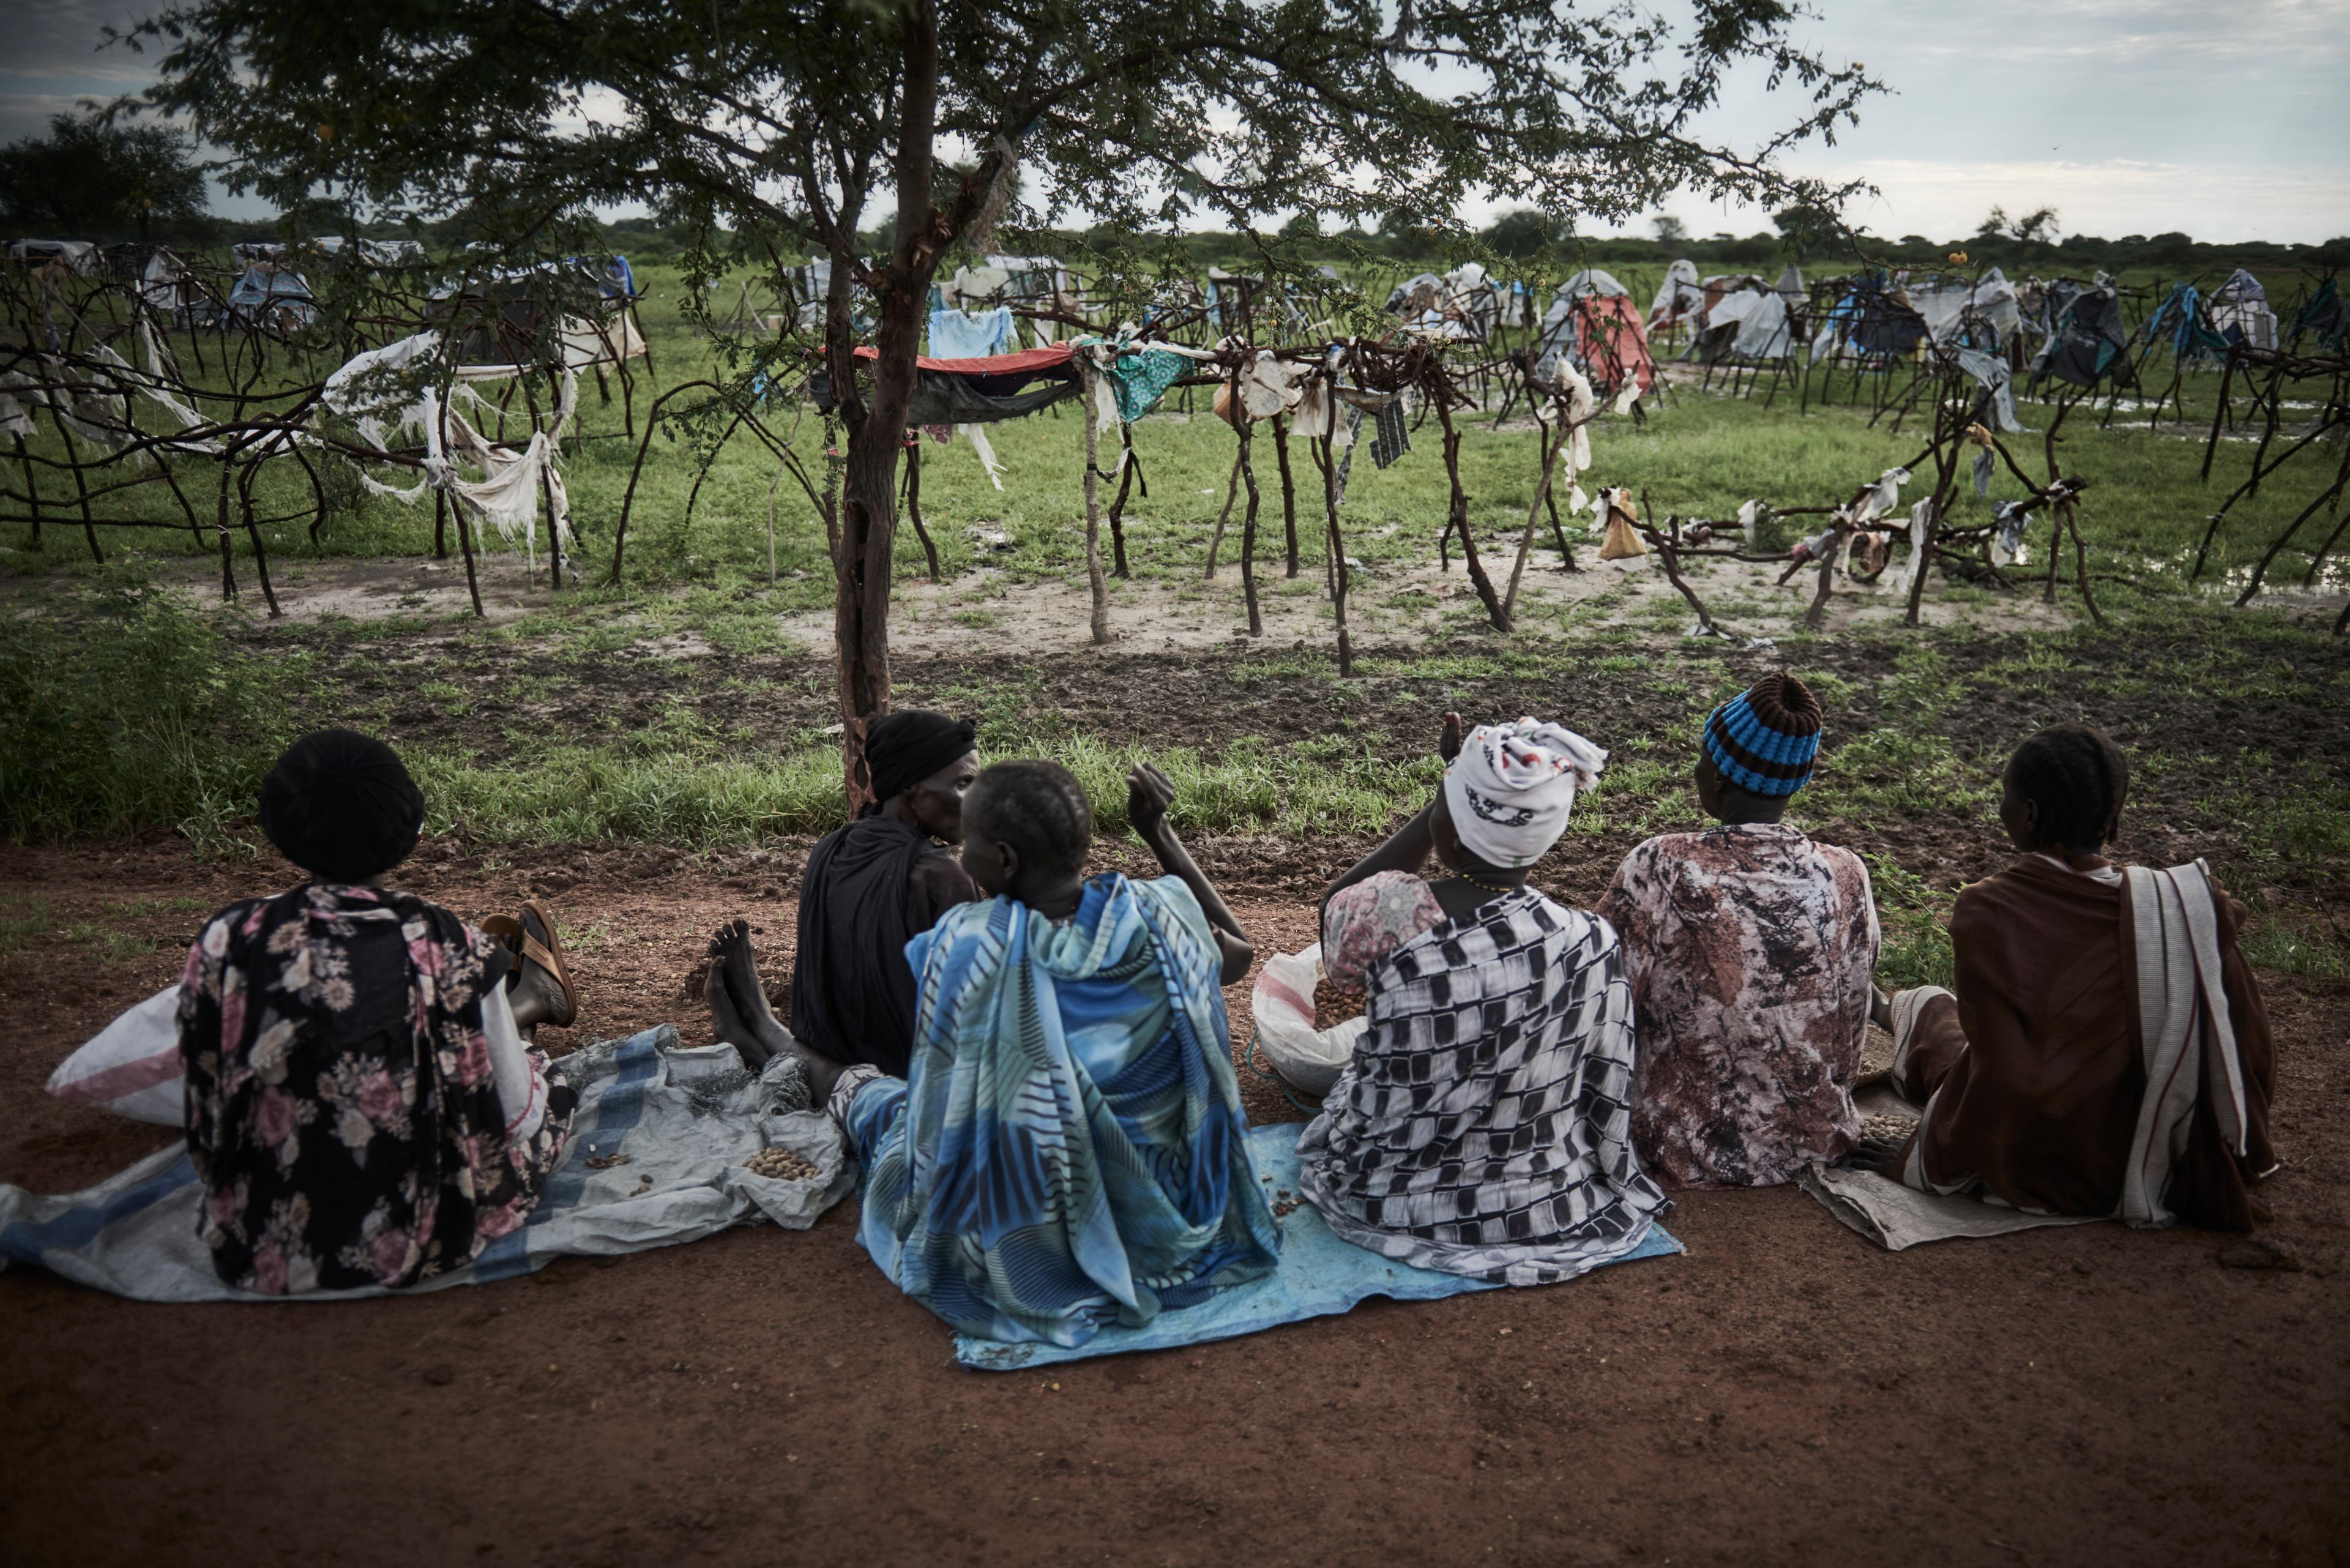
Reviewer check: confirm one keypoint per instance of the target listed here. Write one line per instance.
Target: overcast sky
(2227, 119)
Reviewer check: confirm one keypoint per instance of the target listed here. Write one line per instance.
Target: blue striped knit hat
(1765, 739)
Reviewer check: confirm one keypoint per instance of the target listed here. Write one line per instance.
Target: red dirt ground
(1784, 1393)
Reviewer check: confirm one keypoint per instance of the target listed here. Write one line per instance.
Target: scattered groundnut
(1888, 1125)
(780, 1164)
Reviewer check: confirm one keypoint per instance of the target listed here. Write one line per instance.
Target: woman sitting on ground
(874, 882)
(1068, 1150)
(2106, 1051)
(1482, 1127)
(362, 1107)
(1750, 950)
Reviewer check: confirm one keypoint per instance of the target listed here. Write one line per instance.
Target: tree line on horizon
(89, 178)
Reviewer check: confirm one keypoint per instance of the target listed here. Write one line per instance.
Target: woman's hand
(1448, 744)
(1148, 793)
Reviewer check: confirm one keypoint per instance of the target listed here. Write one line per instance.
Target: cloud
(2227, 121)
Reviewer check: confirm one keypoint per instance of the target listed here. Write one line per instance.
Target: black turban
(904, 748)
(341, 806)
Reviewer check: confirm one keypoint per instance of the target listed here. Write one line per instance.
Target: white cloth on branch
(379, 392)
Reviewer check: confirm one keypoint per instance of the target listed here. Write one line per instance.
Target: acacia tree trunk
(869, 503)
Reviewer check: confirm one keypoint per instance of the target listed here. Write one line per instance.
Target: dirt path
(1784, 1393)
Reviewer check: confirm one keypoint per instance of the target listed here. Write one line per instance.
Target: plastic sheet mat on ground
(1320, 1276)
(1896, 1217)
(657, 1158)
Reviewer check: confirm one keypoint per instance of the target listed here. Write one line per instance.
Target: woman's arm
(1407, 848)
(1148, 792)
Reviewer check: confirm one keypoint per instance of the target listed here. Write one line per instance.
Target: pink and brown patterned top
(1750, 951)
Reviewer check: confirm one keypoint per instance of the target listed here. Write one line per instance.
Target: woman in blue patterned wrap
(1067, 1150)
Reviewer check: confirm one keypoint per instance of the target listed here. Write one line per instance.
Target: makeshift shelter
(1775, 323)
(1869, 320)
(166, 285)
(2240, 313)
(1679, 298)
(2088, 342)
(1465, 305)
(270, 294)
(1039, 282)
(1726, 302)
(1980, 313)
(1593, 323)
(76, 255)
(2183, 321)
(2326, 317)
(579, 311)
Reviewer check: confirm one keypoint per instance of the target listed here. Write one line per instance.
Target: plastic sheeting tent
(2089, 342)
(1465, 305)
(1739, 316)
(1594, 323)
(2240, 313)
(545, 310)
(2325, 317)
(2182, 318)
(1871, 321)
(1981, 312)
(1677, 299)
(77, 256)
(271, 295)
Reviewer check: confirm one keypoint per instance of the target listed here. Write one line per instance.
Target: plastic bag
(1621, 540)
(131, 1067)
(1283, 1001)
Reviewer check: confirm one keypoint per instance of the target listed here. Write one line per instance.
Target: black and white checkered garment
(1483, 1128)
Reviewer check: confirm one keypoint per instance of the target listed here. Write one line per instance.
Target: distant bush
(125, 710)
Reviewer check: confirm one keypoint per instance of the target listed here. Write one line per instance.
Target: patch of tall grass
(123, 708)
(683, 789)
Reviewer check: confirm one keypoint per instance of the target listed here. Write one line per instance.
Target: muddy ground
(1782, 1394)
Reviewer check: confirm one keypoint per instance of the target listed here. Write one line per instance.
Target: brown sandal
(547, 953)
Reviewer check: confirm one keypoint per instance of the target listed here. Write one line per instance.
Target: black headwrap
(904, 748)
(341, 806)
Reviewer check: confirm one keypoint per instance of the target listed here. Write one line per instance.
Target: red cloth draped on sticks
(2034, 1070)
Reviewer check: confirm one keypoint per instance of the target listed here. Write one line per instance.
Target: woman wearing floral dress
(361, 1107)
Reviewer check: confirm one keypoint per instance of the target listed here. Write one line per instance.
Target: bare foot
(737, 969)
(1878, 1156)
(727, 1020)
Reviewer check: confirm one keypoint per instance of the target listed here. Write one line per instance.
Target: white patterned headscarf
(1511, 788)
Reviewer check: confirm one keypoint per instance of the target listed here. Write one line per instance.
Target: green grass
(1914, 922)
(1697, 453)
(125, 708)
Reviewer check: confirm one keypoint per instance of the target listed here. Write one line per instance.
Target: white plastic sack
(131, 1067)
(659, 1155)
(1282, 1000)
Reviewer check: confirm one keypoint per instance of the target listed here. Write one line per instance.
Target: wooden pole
(545, 481)
(1288, 489)
(1335, 549)
(32, 489)
(1550, 451)
(1457, 518)
(253, 533)
(1094, 578)
(81, 488)
(1118, 505)
(1232, 492)
(220, 526)
(913, 511)
(1248, 533)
